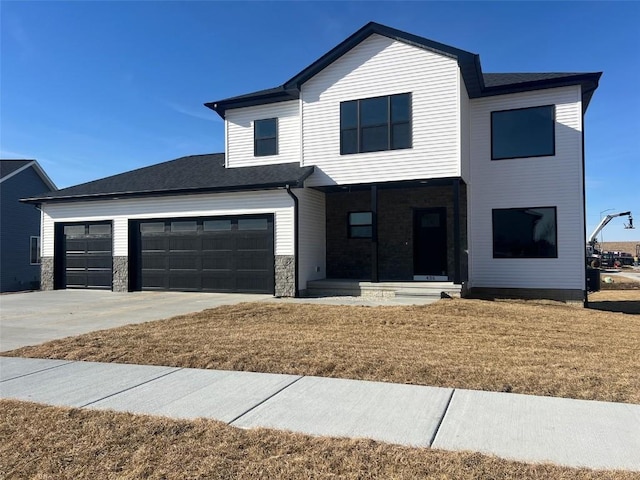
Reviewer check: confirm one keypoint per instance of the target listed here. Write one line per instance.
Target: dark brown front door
(430, 242)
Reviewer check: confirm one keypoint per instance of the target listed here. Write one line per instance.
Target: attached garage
(214, 254)
(84, 255)
(189, 224)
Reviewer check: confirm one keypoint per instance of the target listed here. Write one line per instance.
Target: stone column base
(285, 276)
(120, 274)
(46, 273)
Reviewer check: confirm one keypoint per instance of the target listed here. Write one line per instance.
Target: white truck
(594, 255)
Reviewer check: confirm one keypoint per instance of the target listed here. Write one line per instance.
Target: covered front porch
(396, 232)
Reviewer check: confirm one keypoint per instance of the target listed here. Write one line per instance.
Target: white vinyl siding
(381, 66)
(239, 131)
(312, 236)
(202, 205)
(551, 181)
(464, 130)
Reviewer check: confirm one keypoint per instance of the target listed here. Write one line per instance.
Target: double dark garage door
(218, 254)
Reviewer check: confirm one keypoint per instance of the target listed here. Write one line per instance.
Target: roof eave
(159, 193)
(295, 182)
(588, 82)
(221, 106)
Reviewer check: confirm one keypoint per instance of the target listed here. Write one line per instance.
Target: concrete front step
(319, 288)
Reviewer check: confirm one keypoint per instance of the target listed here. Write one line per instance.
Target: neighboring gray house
(20, 224)
(390, 158)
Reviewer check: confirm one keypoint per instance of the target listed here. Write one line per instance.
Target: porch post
(457, 277)
(374, 234)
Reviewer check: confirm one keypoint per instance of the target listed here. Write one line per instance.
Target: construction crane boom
(603, 223)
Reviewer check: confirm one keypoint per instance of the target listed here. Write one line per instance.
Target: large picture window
(375, 124)
(265, 137)
(521, 133)
(525, 233)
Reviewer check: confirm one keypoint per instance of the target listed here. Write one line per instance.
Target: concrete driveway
(34, 317)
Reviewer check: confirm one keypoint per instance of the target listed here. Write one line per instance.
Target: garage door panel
(253, 242)
(218, 282)
(154, 262)
(75, 245)
(217, 262)
(184, 243)
(99, 245)
(250, 282)
(87, 252)
(253, 261)
(186, 281)
(215, 254)
(222, 242)
(184, 262)
(154, 281)
(153, 243)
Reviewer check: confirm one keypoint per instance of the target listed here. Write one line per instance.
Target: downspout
(584, 217)
(296, 239)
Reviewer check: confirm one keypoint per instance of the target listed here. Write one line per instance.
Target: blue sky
(91, 89)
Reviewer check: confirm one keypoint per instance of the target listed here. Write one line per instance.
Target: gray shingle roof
(9, 166)
(492, 80)
(192, 174)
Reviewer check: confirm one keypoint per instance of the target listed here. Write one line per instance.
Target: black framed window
(522, 133)
(265, 137)
(375, 124)
(525, 232)
(360, 224)
(34, 250)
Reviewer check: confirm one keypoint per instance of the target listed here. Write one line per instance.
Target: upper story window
(265, 137)
(375, 124)
(525, 233)
(524, 132)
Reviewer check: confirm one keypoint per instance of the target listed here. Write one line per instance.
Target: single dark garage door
(219, 254)
(83, 255)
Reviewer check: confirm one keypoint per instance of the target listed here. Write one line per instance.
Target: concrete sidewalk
(575, 433)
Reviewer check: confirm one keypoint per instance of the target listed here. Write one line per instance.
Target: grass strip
(522, 347)
(60, 443)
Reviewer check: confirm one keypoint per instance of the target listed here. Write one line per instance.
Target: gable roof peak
(469, 62)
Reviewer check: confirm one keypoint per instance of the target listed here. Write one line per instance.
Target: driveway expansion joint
(264, 400)
(177, 369)
(37, 371)
(444, 414)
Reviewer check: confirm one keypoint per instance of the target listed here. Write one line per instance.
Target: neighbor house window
(525, 132)
(360, 224)
(34, 250)
(265, 137)
(375, 124)
(525, 233)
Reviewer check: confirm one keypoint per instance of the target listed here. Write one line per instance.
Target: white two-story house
(392, 158)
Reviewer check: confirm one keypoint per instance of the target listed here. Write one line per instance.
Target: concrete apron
(573, 433)
(30, 318)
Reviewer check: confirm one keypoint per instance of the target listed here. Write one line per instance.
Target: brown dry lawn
(59, 443)
(533, 348)
(626, 300)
